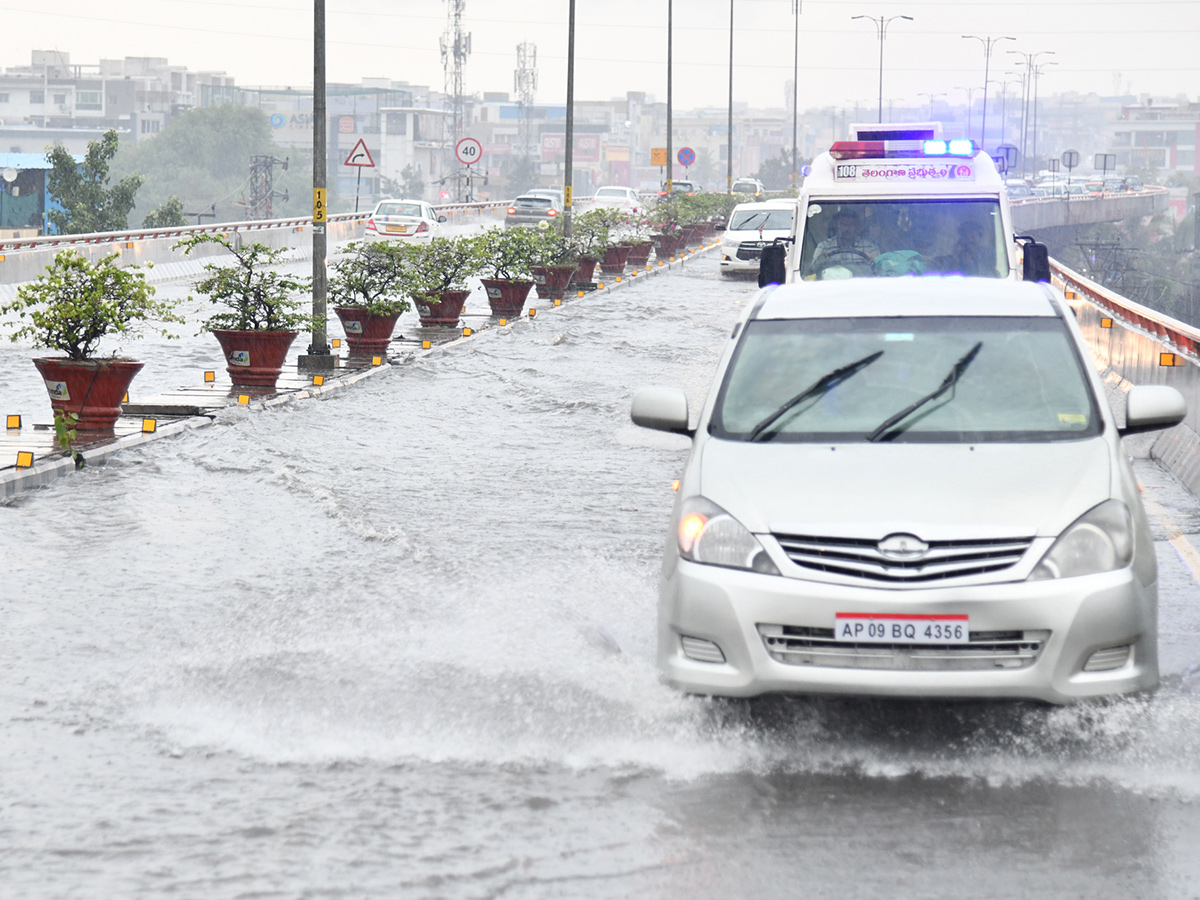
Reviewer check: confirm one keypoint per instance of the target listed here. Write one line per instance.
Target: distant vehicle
(413, 220)
(1017, 189)
(616, 197)
(532, 210)
(554, 194)
(751, 227)
(751, 186)
(977, 531)
(1133, 183)
(690, 188)
(1114, 185)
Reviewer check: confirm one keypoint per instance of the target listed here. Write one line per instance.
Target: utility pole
(456, 47)
(796, 6)
(670, 149)
(319, 357)
(987, 59)
(881, 25)
(729, 124)
(569, 162)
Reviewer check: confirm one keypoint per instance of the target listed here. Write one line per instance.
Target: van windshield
(1014, 379)
(761, 219)
(880, 238)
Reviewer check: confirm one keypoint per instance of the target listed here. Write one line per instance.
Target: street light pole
(319, 356)
(1037, 70)
(569, 161)
(931, 97)
(729, 124)
(796, 5)
(881, 25)
(970, 104)
(987, 59)
(670, 161)
(1029, 59)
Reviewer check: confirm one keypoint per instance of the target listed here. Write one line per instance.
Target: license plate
(397, 229)
(889, 628)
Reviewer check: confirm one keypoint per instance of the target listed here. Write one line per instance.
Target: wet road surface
(400, 642)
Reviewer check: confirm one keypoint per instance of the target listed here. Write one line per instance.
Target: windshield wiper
(949, 382)
(745, 225)
(821, 386)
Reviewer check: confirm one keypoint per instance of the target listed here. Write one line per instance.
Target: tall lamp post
(1037, 71)
(670, 161)
(931, 97)
(970, 105)
(796, 5)
(729, 124)
(569, 154)
(987, 59)
(1029, 59)
(881, 25)
(1004, 83)
(319, 357)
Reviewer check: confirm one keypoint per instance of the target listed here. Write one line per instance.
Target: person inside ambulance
(847, 252)
(971, 254)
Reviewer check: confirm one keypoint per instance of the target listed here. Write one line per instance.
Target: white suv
(751, 227)
(911, 488)
(615, 197)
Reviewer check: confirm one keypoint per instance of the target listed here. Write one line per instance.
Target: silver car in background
(751, 227)
(908, 489)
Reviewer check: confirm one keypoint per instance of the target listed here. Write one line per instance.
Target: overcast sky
(1142, 46)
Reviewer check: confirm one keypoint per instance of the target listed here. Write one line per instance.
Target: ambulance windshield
(882, 238)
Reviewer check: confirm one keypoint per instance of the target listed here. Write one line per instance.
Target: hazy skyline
(1106, 46)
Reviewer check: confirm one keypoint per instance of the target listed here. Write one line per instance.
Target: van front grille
(861, 558)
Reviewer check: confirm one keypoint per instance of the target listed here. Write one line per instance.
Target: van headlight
(1101, 540)
(707, 534)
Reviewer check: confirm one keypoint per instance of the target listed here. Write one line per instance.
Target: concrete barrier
(1133, 344)
(1039, 213)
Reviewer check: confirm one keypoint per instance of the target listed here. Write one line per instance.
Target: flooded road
(399, 642)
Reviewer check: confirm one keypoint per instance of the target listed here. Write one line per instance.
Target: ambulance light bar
(902, 149)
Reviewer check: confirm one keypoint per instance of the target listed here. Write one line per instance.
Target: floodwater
(399, 642)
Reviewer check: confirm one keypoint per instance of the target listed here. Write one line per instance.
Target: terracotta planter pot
(614, 259)
(552, 281)
(366, 334)
(505, 297)
(91, 388)
(255, 358)
(691, 234)
(639, 253)
(666, 246)
(586, 270)
(446, 311)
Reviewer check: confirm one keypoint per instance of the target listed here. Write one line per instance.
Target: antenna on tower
(456, 47)
(525, 87)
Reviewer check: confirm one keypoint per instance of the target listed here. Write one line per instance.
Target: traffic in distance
(411, 220)
(995, 545)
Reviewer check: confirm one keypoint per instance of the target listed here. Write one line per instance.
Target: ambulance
(900, 200)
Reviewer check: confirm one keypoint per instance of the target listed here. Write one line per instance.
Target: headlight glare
(1101, 540)
(708, 534)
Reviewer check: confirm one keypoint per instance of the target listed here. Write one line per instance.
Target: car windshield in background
(399, 209)
(611, 192)
(532, 202)
(1025, 382)
(767, 219)
(880, 238)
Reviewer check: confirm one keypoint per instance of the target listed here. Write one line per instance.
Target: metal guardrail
(13, 245)
(1178, 336)
(1075, 198)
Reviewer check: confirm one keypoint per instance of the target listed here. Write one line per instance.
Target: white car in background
(615, 197)
(413, 220)
(751, 227)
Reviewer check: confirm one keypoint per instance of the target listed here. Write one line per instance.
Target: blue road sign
(686, 156)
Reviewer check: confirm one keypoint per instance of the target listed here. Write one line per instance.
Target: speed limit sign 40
(468, 151)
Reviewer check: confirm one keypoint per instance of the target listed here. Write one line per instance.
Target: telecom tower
(525, 87)
(456, 47)
(262, 187)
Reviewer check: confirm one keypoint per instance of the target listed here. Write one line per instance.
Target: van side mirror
(720, 226)
(1037, 261)
(661, 408)
(1152, 407)
(441, 218)
(772, 265)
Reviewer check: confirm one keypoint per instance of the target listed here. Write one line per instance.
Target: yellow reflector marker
(558, 301)
(660, 262)
(618, 278)
(466, 332)
(425, 345)
(149, 426)
(532, 312)
(675, 485)
(376, 360)
(1, 257)
(129, 245)
(12, 422)
(336, 342)
(1106, 323)
(244, 399)
(580, 293)
(504, 321)
(318, 380)
(600, 286)
(125, 399)
(1166, 359)
(210, 377)
(1071, 295)
(24, 459)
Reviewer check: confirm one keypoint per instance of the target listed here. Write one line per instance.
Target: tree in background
(776, 174)
(518, 174)
(410, 185)
(169, 215)
(203, 157)
(88, 203)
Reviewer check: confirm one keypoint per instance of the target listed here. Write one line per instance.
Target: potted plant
(507, 259)
(664, 221)
(262, 316)
(561, 264)
(439, 272)
(591, 231)
(369, 291)
(70, 309)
